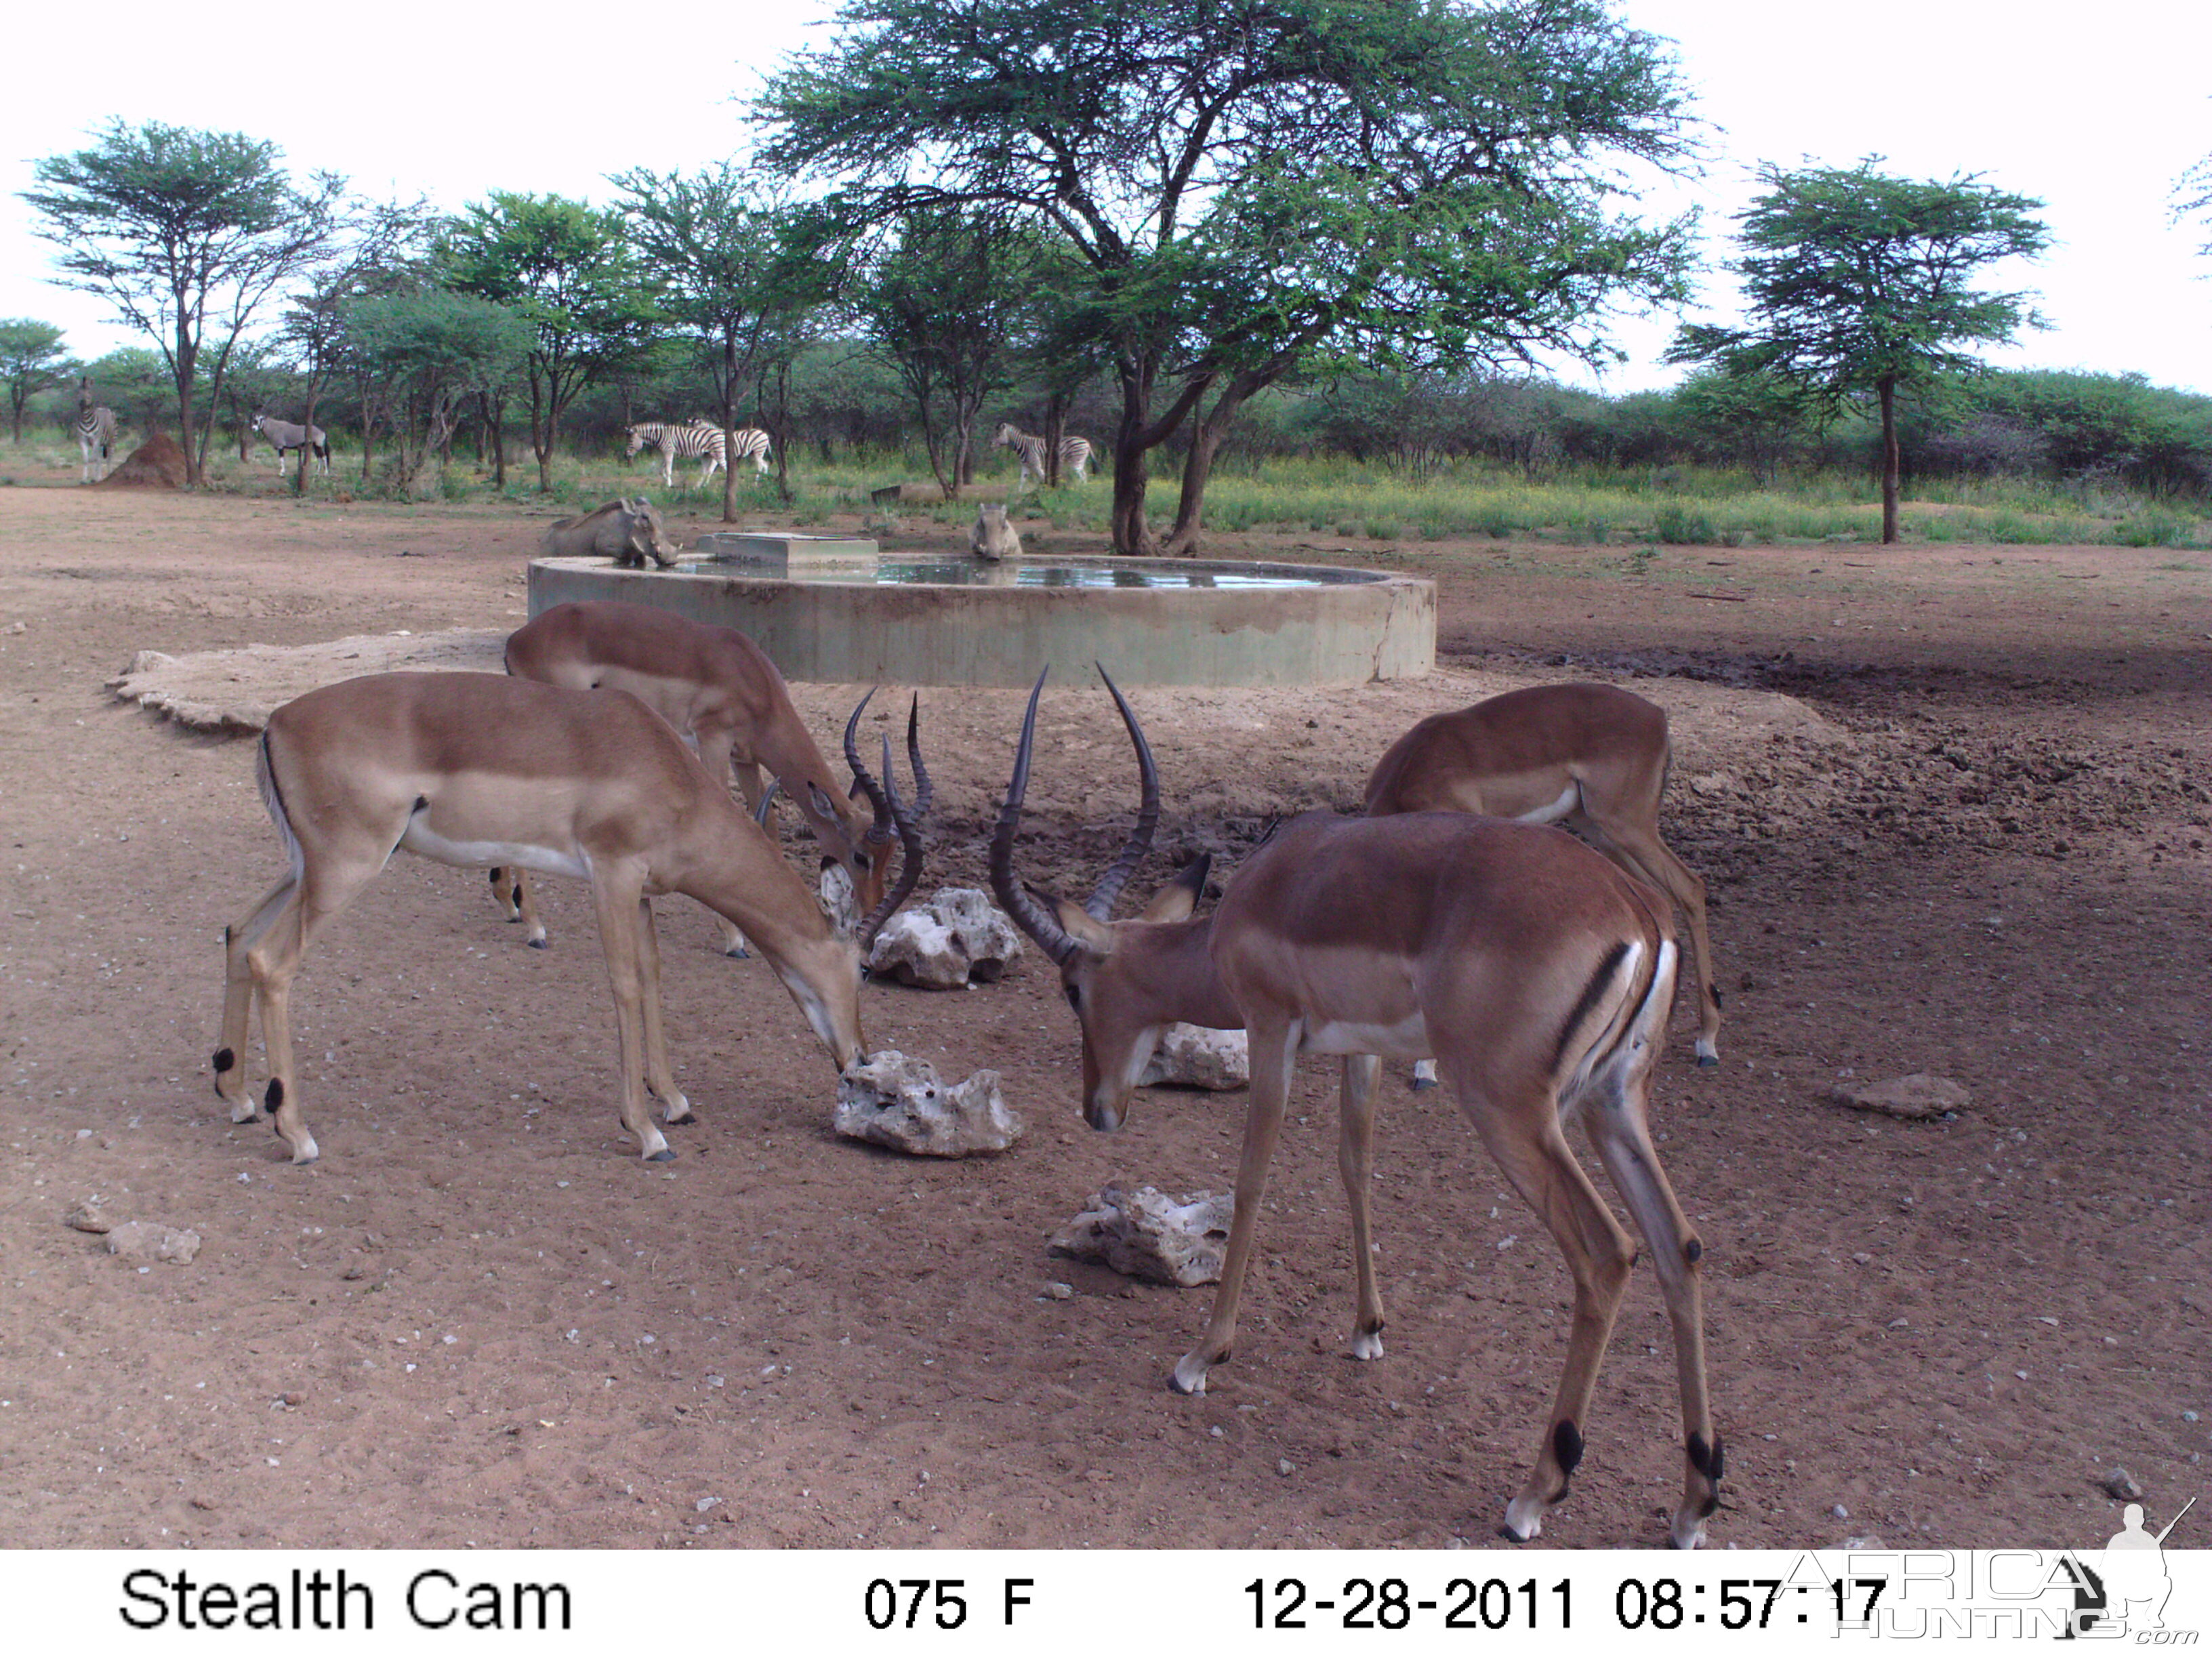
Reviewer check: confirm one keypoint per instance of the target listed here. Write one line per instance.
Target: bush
(1682, 526)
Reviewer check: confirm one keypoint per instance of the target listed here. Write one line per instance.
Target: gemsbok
(1535, 972)
(1595, 757)
(722, 696)
(474, 769)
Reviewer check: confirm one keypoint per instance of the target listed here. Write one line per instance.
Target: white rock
(85, 1215)
(899, 1102)
(958, 938)
(1146, 1235)
(148, 1241)
(1198, 1057)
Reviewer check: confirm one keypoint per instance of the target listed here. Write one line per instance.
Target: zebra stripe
(1074, 453)
(700, 441)
(96, 433)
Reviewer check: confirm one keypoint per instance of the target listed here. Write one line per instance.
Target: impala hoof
(1187, 1379)
(305, 1152)
(666, 1155)
(244, 1111)
(1518, 1527)
(539, 944)
(1367, 1344)
(678, 1110)
(1709, 1059)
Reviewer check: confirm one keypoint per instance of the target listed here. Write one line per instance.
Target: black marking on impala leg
(224, 1060)
(1591, 992)
(1692, 1252)
(1717, 996)
(1706, 1460)
(1567, 1446)
(493, 873)
(421, 803)
(274, 1097)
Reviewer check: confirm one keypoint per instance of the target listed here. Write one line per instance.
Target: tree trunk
(1207, 433)
(1888, 387)
(541, 436)
(729, 390)
(187, 364)
(1055, 423)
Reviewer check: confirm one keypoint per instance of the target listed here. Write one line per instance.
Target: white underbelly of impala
(544, 860)
(1408, 1039)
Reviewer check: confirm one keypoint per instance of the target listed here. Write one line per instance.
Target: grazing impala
(467, 768)
(721, 691)
(1536, 973)
(1593, 756)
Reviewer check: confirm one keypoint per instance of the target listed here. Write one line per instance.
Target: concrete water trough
(830, 611)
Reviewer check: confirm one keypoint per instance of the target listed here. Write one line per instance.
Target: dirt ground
(1953, 806)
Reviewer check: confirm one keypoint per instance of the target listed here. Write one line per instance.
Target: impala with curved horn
(1593, 756)
(721, 691)
(474, 769)
(1536, 973)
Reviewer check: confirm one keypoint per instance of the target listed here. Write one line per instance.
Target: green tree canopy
(722, 246)
(1254, 185)
(186, 234)
(945, 306)
(1858, 284)
(31, 361)
(433, 350)
(568, 270)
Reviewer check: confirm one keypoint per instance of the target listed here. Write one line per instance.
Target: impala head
(1111, 971)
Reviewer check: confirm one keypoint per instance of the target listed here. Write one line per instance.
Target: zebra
(95, 432)
(1074, 453)
(290, 434)
(698, 439)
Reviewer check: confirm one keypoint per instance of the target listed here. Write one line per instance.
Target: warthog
(993, 537)
(628, 532)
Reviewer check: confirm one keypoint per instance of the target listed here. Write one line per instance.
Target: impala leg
(618, 939)
(659, 1077)
(273, 961)
(1641, 852)
(1425, 1074)
(1623, 1141)
(1523, 1135)
(504, 892)
(238, 998)
(1355, 1162)
(1271, 1052)
(715, 748)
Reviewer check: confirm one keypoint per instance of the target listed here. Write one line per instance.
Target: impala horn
(890, 814)
(1101, 906)
(1016, 900)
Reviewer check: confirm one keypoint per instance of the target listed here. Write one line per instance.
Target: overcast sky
(2096, 110)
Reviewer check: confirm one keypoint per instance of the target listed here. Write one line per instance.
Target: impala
(1594, 757)
(720, 690)
(471, 768)
(1537, 974)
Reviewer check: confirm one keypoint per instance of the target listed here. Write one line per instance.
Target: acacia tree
(1255, 186)
(943, 305)
(1857, 286)
(31, 361)
(187, 234)
(568, 271)
(720, 243)
(382, 249)
(433, 352)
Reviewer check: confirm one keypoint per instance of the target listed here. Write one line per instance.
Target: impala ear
(1095, 936)
(1175, 900)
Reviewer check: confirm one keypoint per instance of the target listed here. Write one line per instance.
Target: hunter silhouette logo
(2127, 1590)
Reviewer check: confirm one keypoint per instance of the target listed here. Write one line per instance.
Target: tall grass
(1329, 496)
